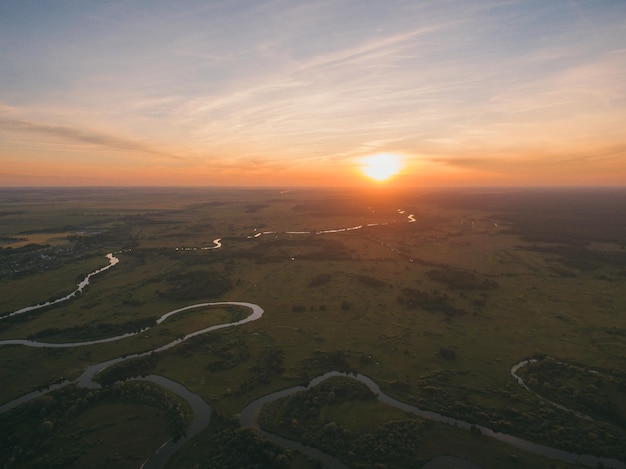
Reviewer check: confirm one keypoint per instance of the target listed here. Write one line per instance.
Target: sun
(381, 166)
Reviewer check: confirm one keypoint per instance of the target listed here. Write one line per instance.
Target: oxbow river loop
(250, 414)
(202, 411)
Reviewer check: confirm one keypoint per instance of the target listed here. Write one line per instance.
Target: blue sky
(273, 92)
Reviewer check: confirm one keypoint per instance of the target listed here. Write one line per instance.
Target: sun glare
(381, 166)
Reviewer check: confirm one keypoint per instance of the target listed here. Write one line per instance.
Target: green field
(435, 311)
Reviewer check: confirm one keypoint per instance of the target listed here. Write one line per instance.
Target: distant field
(435, 311)
(53, 239)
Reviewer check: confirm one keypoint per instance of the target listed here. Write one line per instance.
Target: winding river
(520, 381)
(80, 287)
(250, 414)
(257, 234)
(202, 411)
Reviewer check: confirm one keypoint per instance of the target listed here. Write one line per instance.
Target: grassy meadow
(435, 311)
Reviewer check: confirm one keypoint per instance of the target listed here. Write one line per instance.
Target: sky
(291, 92)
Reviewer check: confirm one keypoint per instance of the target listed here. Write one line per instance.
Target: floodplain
(433, 295)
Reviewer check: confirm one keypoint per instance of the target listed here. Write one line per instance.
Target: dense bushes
(97, 331)
(538, 421)
(581, 258)
(370, 281)
(434, 302)
(216, 352)
(461, 279)
(33, 432)
(196, 285)
(322, 361)
(392, 445)
(320, 279)
(140, 366)
(244, 449)
(268, 365)
(599, 395)
(447, 353)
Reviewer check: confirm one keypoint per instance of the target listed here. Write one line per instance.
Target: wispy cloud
(371, 48)
(282, 86)
(83, 136)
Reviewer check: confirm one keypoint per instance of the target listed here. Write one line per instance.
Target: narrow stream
(80, 287)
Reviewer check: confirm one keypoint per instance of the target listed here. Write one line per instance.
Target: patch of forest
(582, 258)
(557, 215)
(433, 302)
(592, 393)
(539, 421)
(196, 284)
(253, 208)
(93, 331)
(218, 351)
(228, 446)
(113, 238)
(37, 434)
(393, 445)
(323, 360)
(569, 232)
(461, 279)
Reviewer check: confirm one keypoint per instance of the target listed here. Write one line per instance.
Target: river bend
(250, 413)
(202, 412)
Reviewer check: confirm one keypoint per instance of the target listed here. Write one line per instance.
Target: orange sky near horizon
(275, 93)
(531, 171)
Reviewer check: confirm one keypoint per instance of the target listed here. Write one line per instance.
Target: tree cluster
(267, 366)
(323, 361)
(434, 301)
(196, 284)
(244, 449)
(370, 281)
(320, 279)
(581, 258)
(392, 445)
(461, 279)
(97, 331)
(33, 432)
(131, 368)
(597, 394)
(539, 421)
